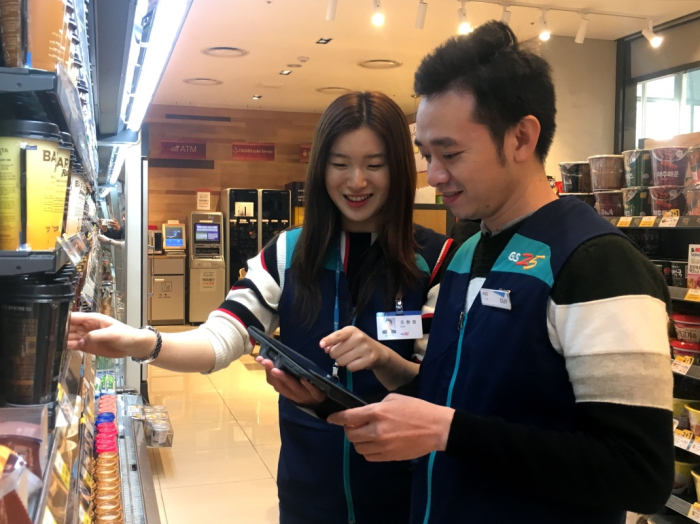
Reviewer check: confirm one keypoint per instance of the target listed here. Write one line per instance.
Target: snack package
(694, 266)
(18, 488)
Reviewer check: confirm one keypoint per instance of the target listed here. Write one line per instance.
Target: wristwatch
(154, 355)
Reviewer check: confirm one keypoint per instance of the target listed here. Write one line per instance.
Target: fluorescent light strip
(105, 191)
(118, 164)
(134, 51)
(166, 27)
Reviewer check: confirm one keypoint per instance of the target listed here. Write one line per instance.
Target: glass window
(668, 106)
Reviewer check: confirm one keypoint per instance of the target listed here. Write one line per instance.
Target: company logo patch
(525, 260)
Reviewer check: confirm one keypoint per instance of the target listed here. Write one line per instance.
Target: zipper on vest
(448, 403)
(346, 467)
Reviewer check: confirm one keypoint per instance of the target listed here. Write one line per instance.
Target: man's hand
(299, 391)
(102, 335)
(399, 428)
(355, 350)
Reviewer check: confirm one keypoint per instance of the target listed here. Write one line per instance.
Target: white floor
(223, 462)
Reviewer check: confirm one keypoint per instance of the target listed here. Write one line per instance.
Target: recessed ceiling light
(262, 85)
(293, 66)
(323, 41)
(380, 64)
(225, 52)
(257, 97)
(285, 72)
(337, 91)
(202, 81)
(415, 96)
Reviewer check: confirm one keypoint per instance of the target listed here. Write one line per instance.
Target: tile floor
(223, 461)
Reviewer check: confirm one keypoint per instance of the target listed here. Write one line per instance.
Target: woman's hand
(299, 391)
(102, 335)
(355, 350)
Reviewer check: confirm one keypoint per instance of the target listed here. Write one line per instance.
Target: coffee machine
(240, 209)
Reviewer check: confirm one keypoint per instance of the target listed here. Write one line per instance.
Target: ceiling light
(323, 41)
(505, 17)
(105, 191)
(415, 96)
(294, 66)
(303, 59)
(420, 16)
(378, 16)
(257, 97)
(225, 52)
(331, 9)
(201, 81)
(464, 26)
(380, 64)
(545, 33)
(285, 72)
(337, 91)
(120, 156)
(167, 23)
(582, 28)
(654, 39)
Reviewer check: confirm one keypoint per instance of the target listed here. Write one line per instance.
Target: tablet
(300, 367)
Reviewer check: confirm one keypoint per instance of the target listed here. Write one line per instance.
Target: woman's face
(357, 178)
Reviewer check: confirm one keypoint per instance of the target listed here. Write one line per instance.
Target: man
(545, 393)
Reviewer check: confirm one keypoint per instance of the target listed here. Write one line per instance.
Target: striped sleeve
(428, 309)
(252, 301)
(611, 326)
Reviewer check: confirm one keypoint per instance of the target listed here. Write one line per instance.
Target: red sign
(304, 153)
(254, 151)
(176, 149)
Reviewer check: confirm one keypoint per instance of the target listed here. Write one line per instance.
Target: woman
(357, 254)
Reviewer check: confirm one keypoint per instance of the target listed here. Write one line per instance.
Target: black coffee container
(34, 315)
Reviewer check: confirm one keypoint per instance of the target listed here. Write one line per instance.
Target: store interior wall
(172, 191)
(584, 79)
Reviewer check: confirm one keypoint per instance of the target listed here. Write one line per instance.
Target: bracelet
(159, 343)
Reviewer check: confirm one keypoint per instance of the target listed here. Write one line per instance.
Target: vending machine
(275, 216)
(207, 268)
(242, 238)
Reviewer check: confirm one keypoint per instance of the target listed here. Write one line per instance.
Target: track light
(330, 11)
(378, 16)
(505, 17)
(545, 33)
(654, 39)
(464, 26)
(582, 28)
(420, 16)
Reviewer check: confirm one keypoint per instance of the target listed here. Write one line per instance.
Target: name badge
(391, 326)
(497, 298)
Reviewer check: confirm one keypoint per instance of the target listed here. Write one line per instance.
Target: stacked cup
(670, 174)
(607, 180)
(107, 506)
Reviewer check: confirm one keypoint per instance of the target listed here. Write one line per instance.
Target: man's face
(463, 161)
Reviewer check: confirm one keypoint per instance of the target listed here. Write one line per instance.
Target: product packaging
(19, 488)
(25, 431)
(694, 266)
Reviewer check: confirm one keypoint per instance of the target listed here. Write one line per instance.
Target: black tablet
(300, 367)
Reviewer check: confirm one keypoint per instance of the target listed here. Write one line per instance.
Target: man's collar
(487, 232)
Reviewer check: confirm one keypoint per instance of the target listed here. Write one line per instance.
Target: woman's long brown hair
(396, 269)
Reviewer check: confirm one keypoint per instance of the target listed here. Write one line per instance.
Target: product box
(694, 266)
(296, 190)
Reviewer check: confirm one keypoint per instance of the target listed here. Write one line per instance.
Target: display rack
(684, 222)
(13, 263)
(59, 99)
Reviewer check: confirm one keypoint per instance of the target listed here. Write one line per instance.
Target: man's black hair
(506, 81)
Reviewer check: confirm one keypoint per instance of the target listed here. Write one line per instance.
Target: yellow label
(10, 196)
(48, 517)
(84, 516)
(693, 295)
(60, 392)
(41, 183)
(62, 470)
(647, 222)
(682, 364)
(694, 512)
(624, 222)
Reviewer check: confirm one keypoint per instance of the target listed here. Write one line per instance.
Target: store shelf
(139, 500)
(59, 98)
(693, 372)
(14, 263)
(681, 506)
(685, 222)
(43, 498)
(679, 293)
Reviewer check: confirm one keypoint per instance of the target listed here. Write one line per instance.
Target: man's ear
(521, 140)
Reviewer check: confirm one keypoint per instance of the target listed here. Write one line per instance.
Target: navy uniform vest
(321, 479)
(502, 364)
